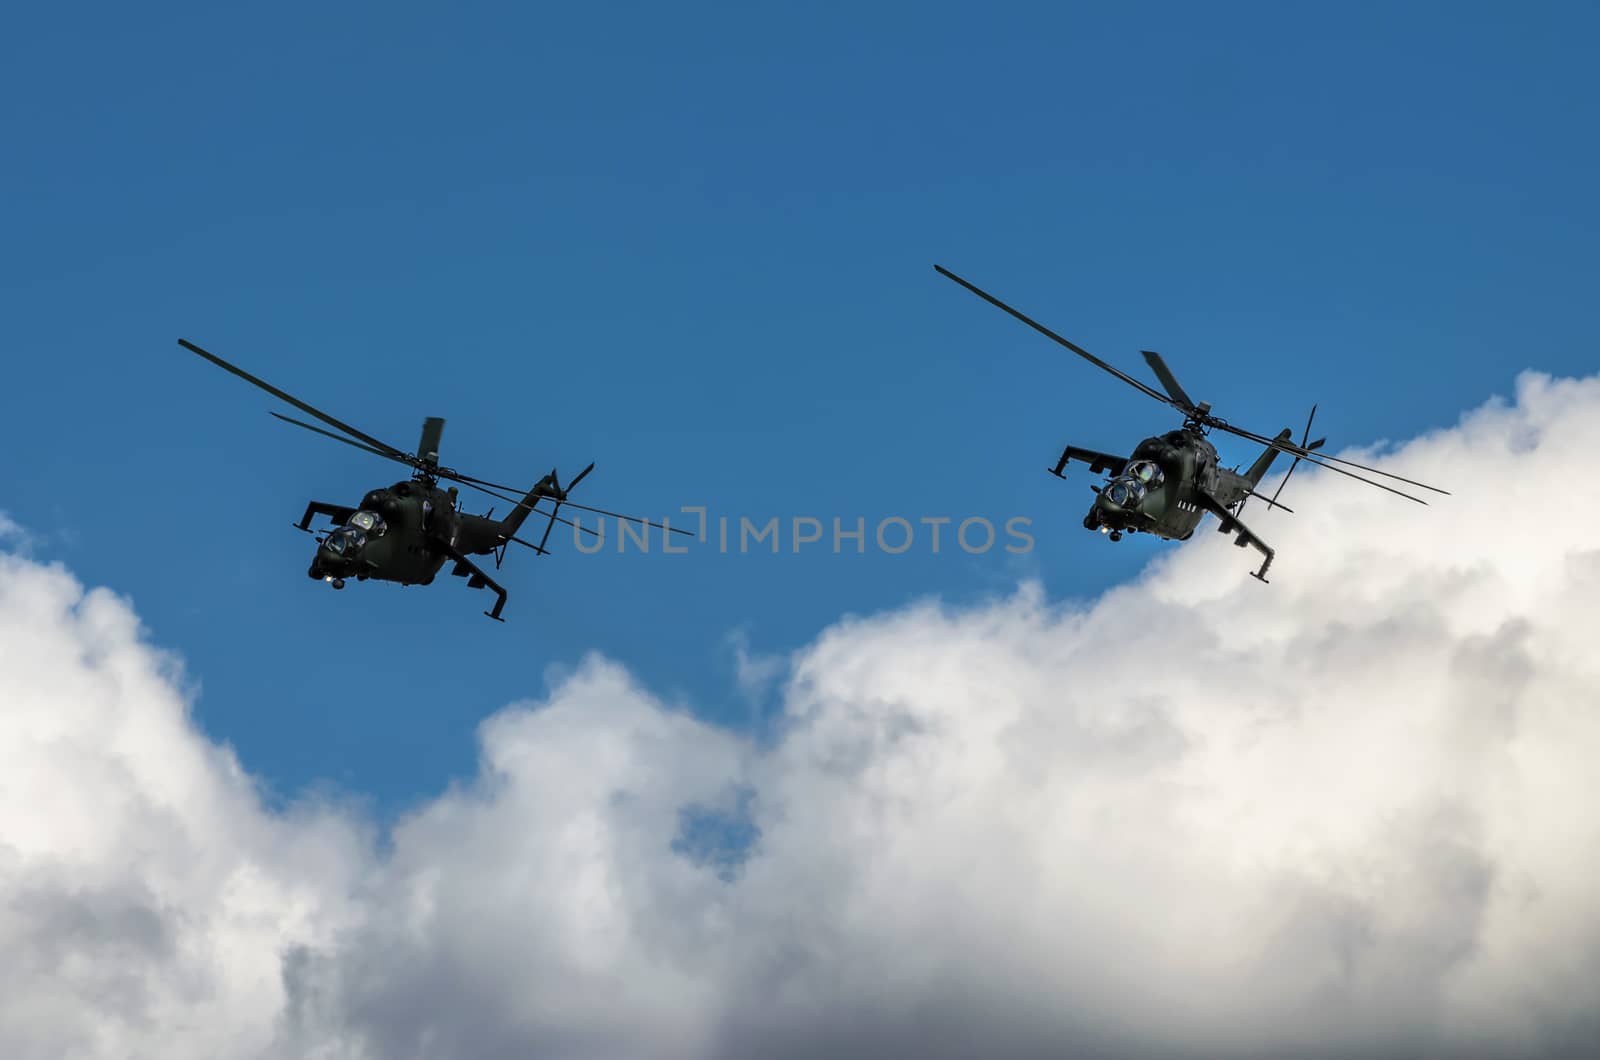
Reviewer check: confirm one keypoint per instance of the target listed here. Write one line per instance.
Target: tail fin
(545, 487)
(1263, 464)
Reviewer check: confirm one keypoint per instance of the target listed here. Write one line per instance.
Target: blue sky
(694, 245)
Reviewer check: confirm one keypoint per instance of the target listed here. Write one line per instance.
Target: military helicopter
(407, 531)
(1173, 480)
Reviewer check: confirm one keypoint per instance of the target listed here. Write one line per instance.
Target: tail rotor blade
(563, 493)
(549, 526)
(574, 483)
(1305, 436)
(1285, 482)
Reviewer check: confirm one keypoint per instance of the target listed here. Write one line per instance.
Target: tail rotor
(560, 496)
(1307, 446)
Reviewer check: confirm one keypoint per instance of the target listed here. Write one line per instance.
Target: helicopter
(1172, 481)
(406, 532)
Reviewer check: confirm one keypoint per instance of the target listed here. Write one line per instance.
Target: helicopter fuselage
(1159, 488)
(400, 533)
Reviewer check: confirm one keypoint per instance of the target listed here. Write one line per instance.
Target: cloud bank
(1352, 813)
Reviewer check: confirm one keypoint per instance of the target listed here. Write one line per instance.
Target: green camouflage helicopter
(407, 531)
(1172, 481)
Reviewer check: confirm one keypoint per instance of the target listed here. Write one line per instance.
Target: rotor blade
(1285, 481)
(574, 483)
(629, 518)
(551, 525)
(575, 526)
(1295, 450)
(536, 510)
(481, 483)
(296, 402)
(338, 437)
(515, 501)
(1326, 461)
(1273, 503)
(1041, 329)
(1305, 437)
(1168, 380)
(591, 532)
(475, 484)
(428, 444)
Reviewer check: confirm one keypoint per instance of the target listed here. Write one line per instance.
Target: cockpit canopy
(1125, 492)
(371, 522)
(1145, 472)
(345, 541)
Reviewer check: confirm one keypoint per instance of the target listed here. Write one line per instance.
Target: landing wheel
(1116, 535)
(337, 583)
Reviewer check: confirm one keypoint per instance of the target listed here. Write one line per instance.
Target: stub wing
(1230, 524)
(477, 577)
(338, 514)
(1099, 463)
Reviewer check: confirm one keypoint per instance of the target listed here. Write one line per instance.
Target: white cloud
(143, 893)
(1352, 812)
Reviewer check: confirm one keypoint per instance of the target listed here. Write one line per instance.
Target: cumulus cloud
(1351, 813)
(144, 893)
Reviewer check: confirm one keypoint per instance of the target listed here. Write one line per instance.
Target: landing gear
(337, 583)
(1116, 535)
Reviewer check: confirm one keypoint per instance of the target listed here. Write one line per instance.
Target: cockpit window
(1125, 492)
(371, 522)
(1146, 473)
(346, 541)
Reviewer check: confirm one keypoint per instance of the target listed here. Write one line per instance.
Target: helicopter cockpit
(1124, 492)
(349, 539)
(1128, 489)
(1146, 472)
(345, 541)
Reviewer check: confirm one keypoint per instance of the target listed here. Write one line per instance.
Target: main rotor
(424, 463)
(1198, 417)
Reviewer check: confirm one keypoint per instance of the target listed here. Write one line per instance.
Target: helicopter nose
(328, 561)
